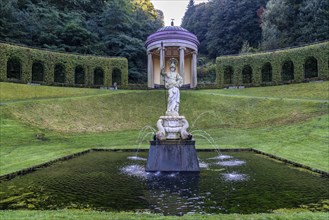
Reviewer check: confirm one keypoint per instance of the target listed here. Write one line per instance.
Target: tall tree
(198, 23)
(313, 21)
(233, 23)
(277, 24)
(103, 27)
(188, 14)
(294, 22)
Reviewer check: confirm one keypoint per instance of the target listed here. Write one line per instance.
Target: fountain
(173, 148)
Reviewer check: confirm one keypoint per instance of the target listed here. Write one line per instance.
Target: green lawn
(13, 91)
(87, 215)
(305, 143)
(18, 92)
(313, 90)
(287, 121)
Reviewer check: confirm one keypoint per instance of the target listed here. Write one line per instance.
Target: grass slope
(13, 91)
(287, 121)
(292, 129)
(125, 111)
(313, 90)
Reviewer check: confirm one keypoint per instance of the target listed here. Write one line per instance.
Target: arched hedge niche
(287, 71)
(37, 72)
(59, 73)
(98, 76)
(14, 69)
(247, 74)
(310, 68)
(267, 72)
(228, 75)
(116, 76)
(79, 75)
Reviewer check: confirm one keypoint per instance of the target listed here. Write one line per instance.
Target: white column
(181, 62)
(162, 62)
(194, 77)
(150, 76)
(161, 57)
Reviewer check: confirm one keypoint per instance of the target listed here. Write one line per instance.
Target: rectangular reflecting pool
(234, 182)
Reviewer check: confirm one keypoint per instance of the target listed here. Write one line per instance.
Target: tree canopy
(232, 26)
(223, 26)
(294, 22)
(100, 27)
(120, 27)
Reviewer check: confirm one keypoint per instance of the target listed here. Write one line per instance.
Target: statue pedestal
(172, 156)
(172, 128)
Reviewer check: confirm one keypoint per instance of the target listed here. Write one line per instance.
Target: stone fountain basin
(231, 182)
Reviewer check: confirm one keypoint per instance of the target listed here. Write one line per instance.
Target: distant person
(115, 86)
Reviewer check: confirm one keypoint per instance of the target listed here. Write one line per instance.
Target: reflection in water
(178, 192)
(136, 158)
(170, 193)
(240, 182)
(220, 157)
(234, 177)
(231, 163)
(135, 170)
(203, 165)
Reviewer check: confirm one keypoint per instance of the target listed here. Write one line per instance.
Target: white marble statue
(172, 82)
(172, 126)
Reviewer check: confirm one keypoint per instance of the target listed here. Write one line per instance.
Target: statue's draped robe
(172, 82)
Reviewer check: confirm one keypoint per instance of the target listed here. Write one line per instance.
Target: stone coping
(172, 117)
(31, 169)
(173, 142)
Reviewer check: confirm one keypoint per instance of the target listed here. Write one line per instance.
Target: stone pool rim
(31, 169)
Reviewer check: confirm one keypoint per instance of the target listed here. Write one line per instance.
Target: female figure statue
(172, 82)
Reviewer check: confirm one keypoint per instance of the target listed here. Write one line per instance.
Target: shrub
(49, 67)
(279, 64)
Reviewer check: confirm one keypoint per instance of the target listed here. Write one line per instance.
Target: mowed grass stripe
(290, 129)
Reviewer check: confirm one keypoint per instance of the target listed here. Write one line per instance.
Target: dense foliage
(295, 22)
(293, 65)
(100, 27)
(232, 26)
(23, 64)
(223, 26)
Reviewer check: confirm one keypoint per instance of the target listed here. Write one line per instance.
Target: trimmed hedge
(206, 86)
(298, 56)
(28, 56)
(136, 87)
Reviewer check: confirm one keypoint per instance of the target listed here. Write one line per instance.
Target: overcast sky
(173, 9)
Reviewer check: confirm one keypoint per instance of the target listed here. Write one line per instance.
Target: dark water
(241, 182)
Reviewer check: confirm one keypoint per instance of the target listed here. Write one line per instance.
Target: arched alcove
(14, 69)
(79, 75)
(98, 76)
(247, 74)
(228, 75)
(59, 73)
(37, 72)
(287, 71)
(267, 72)
(116, 76)
(311, 68)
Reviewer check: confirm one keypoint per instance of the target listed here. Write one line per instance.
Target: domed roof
(172, 33)
(172, 28)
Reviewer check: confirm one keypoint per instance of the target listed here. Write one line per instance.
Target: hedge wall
(28, 56)
(296, 58)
